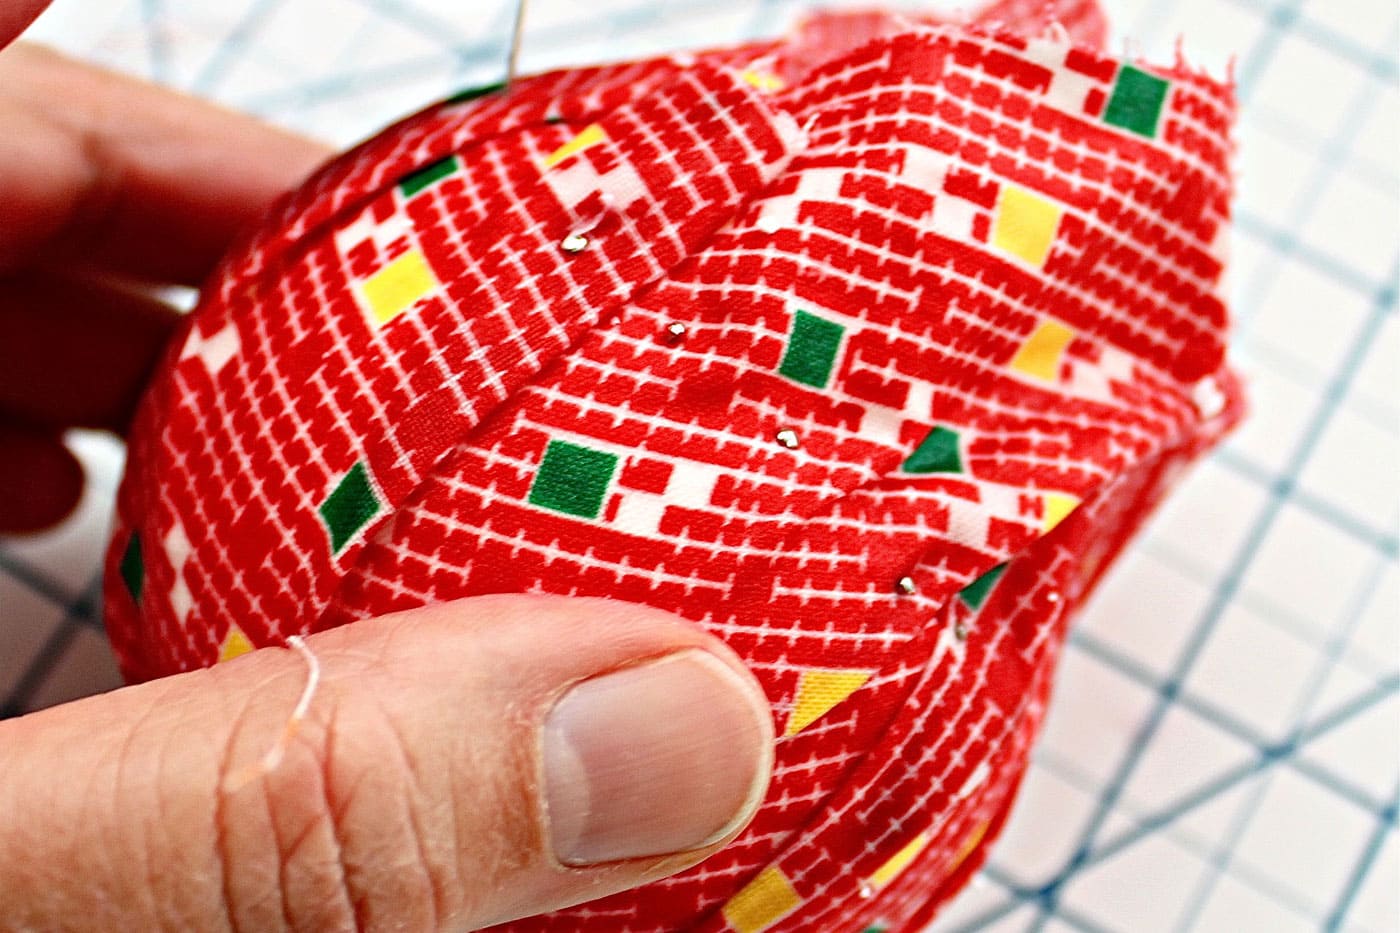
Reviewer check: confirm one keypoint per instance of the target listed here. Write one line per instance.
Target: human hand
(440, 782)
(111, 187)
(458, 766)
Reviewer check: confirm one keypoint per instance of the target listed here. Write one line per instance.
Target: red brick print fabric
(866, 350)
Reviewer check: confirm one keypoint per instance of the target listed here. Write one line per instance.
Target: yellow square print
(1040, 356)
(590, 136)
(820, 691)
(1025, 225)
(762, 902)
(397, 287)
(235, 644)
(899, 861)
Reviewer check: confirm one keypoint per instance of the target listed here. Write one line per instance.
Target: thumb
(459, 765)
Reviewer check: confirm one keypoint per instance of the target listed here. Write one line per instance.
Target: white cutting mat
(1223, 752)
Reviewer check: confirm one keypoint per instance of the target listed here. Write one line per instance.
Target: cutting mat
(1223, 751)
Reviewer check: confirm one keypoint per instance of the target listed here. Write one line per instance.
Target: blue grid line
(468, 57)
(405, 73)
(1281, 244)
(1339, 519)
(1278, 18)
(484, 52)
(1220, 601)
(1294, 741)
(76, 614)
(1286, 243)
(1281, 752)
(1171, 691)
(1074, 918)
(1282, 126)
(429, 25)
(1267, 755)
(1281, 18)
(88, 611)
(50, 653)
(1364, 865)
(1149, 824)
(1297, 369)
(1382, 67)
(1267, 611)
(1254, 65)
(223, 58)
(34, 579)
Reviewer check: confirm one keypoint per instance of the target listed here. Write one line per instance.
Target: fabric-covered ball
(867, 351)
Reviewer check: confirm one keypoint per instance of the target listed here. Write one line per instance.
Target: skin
(112, 187)
(409, 800)
(411, 796)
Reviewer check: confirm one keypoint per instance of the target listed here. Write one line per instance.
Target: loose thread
(269, 761)
(585, 224)
(1056, 32)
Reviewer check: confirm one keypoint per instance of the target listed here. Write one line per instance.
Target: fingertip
(40, 480)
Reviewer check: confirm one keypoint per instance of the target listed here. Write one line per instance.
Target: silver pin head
(788, 438)
(960, 632)
(1053, 596)
(574, 243)
(675, 333)
(906, 586)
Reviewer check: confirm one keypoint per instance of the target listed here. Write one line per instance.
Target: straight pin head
(788, 438)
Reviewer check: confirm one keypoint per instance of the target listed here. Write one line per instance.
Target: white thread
(269, 761)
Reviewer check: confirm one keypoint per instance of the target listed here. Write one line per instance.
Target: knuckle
(339, 834)
(279, 848)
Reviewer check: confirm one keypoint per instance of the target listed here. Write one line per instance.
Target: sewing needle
(512, 65)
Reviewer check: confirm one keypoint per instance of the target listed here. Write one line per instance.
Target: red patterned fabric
(867, 351)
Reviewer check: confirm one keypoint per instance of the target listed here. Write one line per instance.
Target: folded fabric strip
(867, 350)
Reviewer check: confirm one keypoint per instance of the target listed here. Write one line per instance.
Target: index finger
(106, 171)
